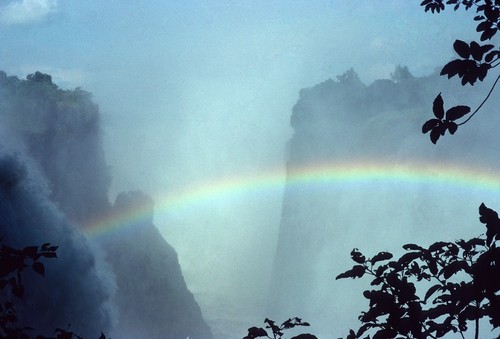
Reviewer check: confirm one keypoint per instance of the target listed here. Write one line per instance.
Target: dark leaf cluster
(458, 285)
(439, 5)
(13, 263)
(277, 331)
(433, 5)
(443, 121)
(476, 60)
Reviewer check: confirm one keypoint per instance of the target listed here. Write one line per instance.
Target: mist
(29, 217)
(197, 97)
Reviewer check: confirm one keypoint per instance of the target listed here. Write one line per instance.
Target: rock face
(344, 189)
(146, 265)
(58, 134)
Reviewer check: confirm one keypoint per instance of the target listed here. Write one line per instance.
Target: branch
(482, 103)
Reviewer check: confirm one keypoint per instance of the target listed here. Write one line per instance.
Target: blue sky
(191, 90)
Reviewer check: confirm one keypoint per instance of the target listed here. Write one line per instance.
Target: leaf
(487, 215)
(486, 48)
(433, 267)
(357, 256)
(462, 48)
(482, 71)
(381, 256)
(471, 313)
(452, 127)
(429, 125)
(452, 249)
(377, 281)
(49, 254)
(38, 268)
(438, 311)
(457, 112)
(488, 34)
(435, 134)
(255, 332)
(475, 242)
(490, 218)
(491, 55)
(269, 321)
(361, 330)
(438, 245)
(431, 291)
(31, 251)
(437, 107)
(476, 51)
(407, 258)
(454, 268)
(452, 68)
(305, 336)
(491, 12)
(287, 324)
(412, 247)
(356, 272)
(386, 333)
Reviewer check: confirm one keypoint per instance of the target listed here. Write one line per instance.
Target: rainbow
(362, 172)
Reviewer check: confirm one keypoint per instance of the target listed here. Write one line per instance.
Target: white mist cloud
(26, 11)
(78, 286)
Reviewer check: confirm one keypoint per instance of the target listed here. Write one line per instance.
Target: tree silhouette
(475, 61)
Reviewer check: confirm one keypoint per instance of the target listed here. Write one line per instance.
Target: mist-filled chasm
(203, 167)
(359, 174)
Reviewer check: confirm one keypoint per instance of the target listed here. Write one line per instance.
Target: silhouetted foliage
(278, 331)
(12, 263)
(460, 281)
(475, 61)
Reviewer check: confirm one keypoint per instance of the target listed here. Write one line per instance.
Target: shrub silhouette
(278, 331)
(460, 281)
(427, 292)
(12, 264)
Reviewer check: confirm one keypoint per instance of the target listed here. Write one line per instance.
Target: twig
(481, 105)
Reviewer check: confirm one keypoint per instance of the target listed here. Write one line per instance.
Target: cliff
(360, 174)
(57, 134)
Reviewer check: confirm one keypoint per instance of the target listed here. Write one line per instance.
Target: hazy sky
(177, 80)
(195, 90)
